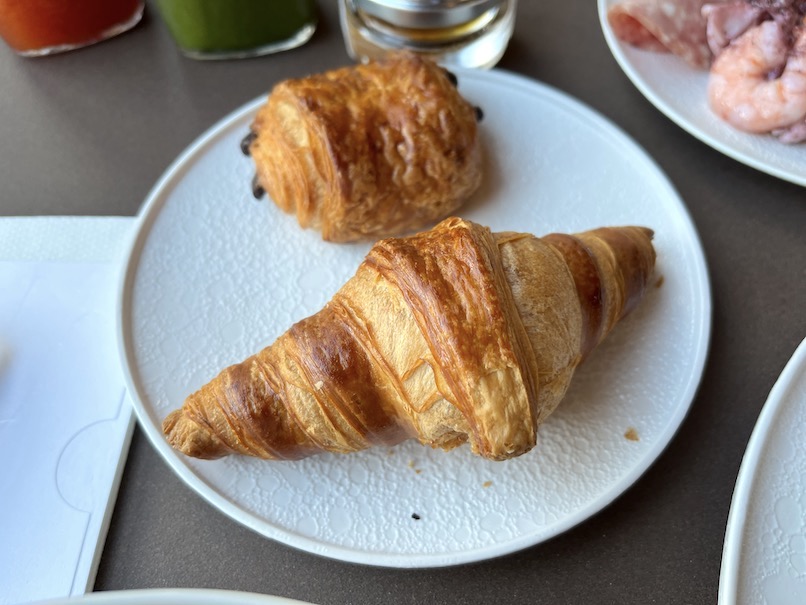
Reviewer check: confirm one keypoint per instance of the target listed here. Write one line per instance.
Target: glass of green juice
(233, 29)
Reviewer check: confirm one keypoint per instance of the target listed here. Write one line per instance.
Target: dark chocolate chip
(246, 142)
(415, 516)
(257, 188)
(479, 114)
(451, 76)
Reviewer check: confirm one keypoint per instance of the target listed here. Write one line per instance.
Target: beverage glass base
(238, 29)
(298, 39)
(479, 45)
(109, 32)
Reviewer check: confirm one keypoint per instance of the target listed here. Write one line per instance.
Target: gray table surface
(89, 132)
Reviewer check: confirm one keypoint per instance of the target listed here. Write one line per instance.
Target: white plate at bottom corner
(172, 596)
(680, 92)
(213, 276)
(764, 555)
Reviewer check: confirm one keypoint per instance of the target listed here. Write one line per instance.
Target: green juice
(222, 28)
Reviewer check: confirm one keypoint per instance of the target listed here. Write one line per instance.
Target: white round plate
(172, 596)
(213, 276)
(764, 556)
(679, 91)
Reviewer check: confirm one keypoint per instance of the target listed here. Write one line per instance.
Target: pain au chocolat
(368, 151)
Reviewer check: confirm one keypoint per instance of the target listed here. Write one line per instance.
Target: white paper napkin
(65, 420)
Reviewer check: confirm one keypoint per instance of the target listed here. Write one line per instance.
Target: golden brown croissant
(452, 335)
(368, 151)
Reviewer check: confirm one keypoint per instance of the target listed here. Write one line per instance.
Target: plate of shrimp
(749, 104)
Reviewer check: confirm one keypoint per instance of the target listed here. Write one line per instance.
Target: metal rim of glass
(426, 13)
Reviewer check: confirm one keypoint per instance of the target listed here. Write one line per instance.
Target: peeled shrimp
(758, 83)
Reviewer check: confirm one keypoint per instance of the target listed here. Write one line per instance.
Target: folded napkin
(65, 420)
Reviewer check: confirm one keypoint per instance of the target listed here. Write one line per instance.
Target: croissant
(368, 151)
(452, 335)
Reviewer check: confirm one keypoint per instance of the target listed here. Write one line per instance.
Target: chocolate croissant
(368, 151)
(452, 335)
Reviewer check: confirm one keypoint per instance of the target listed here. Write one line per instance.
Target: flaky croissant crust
(453, 335)
(370, 150)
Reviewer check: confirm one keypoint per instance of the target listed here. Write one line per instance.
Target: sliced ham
(676, 26)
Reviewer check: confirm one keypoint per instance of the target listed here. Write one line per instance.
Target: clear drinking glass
(231, 29)
(34, 28)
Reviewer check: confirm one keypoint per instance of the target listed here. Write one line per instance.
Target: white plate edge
(734, 531)
(173, 596)
(147, 215)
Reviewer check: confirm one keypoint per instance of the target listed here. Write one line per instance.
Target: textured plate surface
(679, 91)
(174, 596)
(213, 276)
(764, 558)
